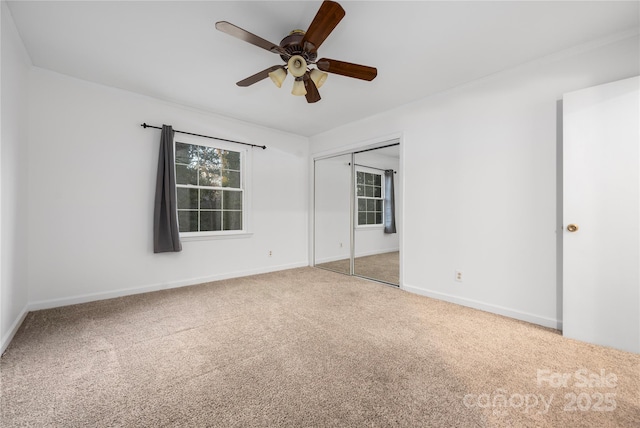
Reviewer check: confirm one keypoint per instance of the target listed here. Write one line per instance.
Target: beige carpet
(304, 348)
(382, 267)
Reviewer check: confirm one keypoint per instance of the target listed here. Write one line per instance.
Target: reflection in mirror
(377, 244)
(332, 248)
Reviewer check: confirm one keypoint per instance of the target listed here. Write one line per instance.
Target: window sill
(370, 227)
(215, 236)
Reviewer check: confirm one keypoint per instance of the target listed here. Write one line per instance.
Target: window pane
(186, 174)
(210, 221)
(231, 179)
(371, 218)
(186, 153)
(362, 204)
(232, 220)
(360, 177)
(362, 218)
(379, 205)
(377, 180)
(231, 160)
(377, 192)
(187, 198)
(368, 191)
(232, 200)
(209, 167)
(369, 179)
(360, 190)
(209, 157)
(210, 199)
(210, 176)
(371, 205)
(188, 221)
(378, 218)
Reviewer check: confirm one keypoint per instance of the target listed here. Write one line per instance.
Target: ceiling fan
(299, 50)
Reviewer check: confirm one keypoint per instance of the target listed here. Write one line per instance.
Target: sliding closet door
(376, 252)
(332, 219)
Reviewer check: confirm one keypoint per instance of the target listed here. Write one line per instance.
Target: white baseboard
(54, 303)
(6, 340)
(487, 307)
(376, 252)
(84, 298)
(331, 259)
(363, 254)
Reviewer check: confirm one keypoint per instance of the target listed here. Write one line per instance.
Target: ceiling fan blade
(237, 32)
(327, 18)
(347, 69)
(258, 76)
(313, 96)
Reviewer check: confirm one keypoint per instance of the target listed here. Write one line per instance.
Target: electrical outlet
(270, 253)
(341, 245)
(458, 275)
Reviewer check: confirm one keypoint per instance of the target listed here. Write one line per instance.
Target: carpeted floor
(382, 267)
(305, 348)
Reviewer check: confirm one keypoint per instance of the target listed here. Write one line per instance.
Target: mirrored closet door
(332, 233)
(356, 205)
(376, 253)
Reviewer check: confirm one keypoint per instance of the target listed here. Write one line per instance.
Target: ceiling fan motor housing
(292, 44)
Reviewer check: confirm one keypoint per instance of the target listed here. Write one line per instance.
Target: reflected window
(369, 192)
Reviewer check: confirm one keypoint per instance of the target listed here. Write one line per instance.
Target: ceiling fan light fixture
(278, 76)
(299, 50)
(297, 65)
(318, 77)
(298, 88)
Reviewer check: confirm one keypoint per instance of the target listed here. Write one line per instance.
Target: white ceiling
(171, 50)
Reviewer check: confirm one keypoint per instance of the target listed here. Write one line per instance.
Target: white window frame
(357, 211)
(245, 180)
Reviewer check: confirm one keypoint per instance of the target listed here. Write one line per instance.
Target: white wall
(479, 166)
(13, 191)
(92, 171)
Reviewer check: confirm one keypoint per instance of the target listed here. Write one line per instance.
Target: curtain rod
(372, 167)
(377, 148)
(144, 125)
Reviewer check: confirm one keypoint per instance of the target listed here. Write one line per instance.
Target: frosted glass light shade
(297, 66)
(278, 76)
(318, 77)
(298, 88)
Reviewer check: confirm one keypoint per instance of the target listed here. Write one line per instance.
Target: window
(210, 189)
(370, 198)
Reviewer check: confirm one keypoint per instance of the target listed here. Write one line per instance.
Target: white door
(601, 259)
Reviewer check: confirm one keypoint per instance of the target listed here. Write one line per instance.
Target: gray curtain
(166, 237)
(389, 203)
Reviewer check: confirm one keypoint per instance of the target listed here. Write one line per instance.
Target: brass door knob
(572, 227)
